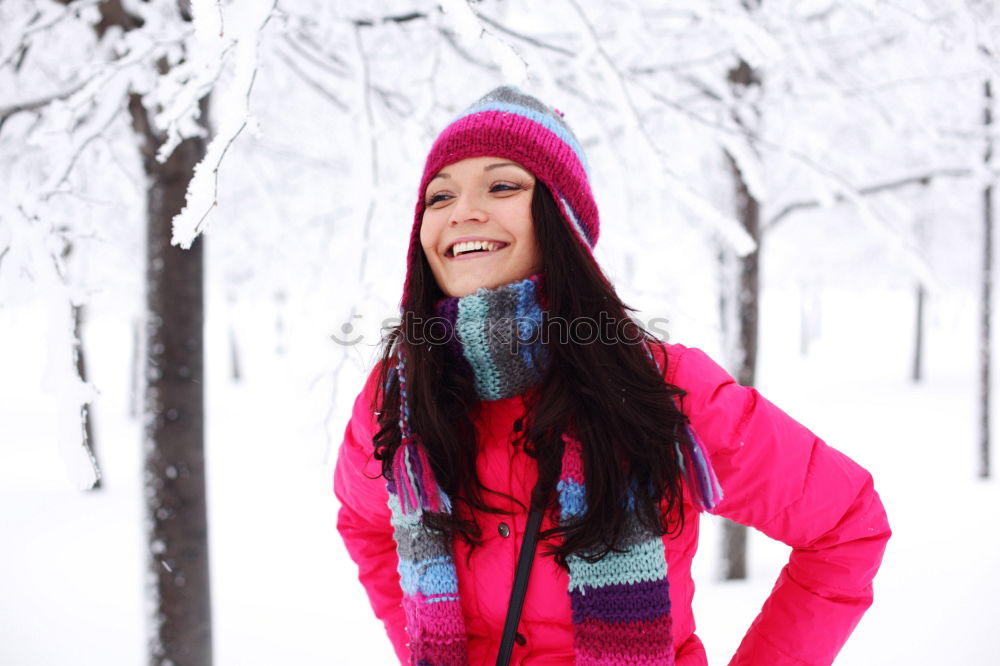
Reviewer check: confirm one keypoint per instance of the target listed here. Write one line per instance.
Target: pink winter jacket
(776, 476)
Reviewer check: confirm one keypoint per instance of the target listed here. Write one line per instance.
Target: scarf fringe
(412, 475)
(695, 465)
(697, 471)
(416, 486)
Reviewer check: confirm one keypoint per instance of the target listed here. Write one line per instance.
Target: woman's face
(477, 229)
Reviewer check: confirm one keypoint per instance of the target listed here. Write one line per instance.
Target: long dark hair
(606, 392)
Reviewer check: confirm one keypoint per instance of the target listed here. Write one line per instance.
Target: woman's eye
(505, 187)
(436, 199)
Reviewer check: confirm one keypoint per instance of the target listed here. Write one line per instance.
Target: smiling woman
(540, 410)
(477, 229)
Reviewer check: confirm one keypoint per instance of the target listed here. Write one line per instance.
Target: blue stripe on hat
(546, 120)
(571, 216)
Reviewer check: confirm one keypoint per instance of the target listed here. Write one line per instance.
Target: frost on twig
(236, 48)
(106, 109)
(8, 110)
(727, 226)
(471, 32)
(16, 35)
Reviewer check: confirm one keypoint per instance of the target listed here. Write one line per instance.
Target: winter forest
(204, 215)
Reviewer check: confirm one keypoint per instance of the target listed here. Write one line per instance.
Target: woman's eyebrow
(497, 165)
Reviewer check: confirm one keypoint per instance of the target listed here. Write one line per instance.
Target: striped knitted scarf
(620, 603)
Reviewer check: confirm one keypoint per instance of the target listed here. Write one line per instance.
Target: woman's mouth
(473, 248)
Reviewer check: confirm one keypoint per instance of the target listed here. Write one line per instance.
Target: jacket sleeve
(778, 477)
(363, 520)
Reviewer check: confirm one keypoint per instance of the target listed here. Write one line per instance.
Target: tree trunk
(176, 516)
(747, 304)
(918, 343)
(174, 432)
(985, 349)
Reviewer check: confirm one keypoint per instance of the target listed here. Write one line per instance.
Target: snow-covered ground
(72, 564)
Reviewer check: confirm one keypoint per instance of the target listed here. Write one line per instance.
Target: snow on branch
(534, 41)
(40, 101)
(135, 50)
(392, 18)
(233, 42)
(713, 57)
(328, 61)
(467, 55)
(467, 25)
(727, 226)
(16, 36)
(106, 108)
(876, 188)
(740, 141)
(37, 252)
(751, 42)
(83, 112)
(311, 81)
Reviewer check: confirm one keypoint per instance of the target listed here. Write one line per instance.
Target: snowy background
(867, 126)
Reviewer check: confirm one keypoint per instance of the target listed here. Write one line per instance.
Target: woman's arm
(363, 521)
(781, 479)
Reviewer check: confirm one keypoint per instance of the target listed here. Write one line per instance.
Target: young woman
(518, 386)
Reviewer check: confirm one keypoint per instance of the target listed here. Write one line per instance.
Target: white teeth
(469, 246)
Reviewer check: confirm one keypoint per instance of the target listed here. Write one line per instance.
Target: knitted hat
(511, 124)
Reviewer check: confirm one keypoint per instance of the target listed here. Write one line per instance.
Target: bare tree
(174, 430)
(745, 302)
(176, 510)
(152, 68)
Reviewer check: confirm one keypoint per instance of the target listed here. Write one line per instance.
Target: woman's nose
(468, 208)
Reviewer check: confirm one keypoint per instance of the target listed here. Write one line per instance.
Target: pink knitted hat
(511, 124)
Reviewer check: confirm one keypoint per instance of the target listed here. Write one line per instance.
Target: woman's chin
(466, 287)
